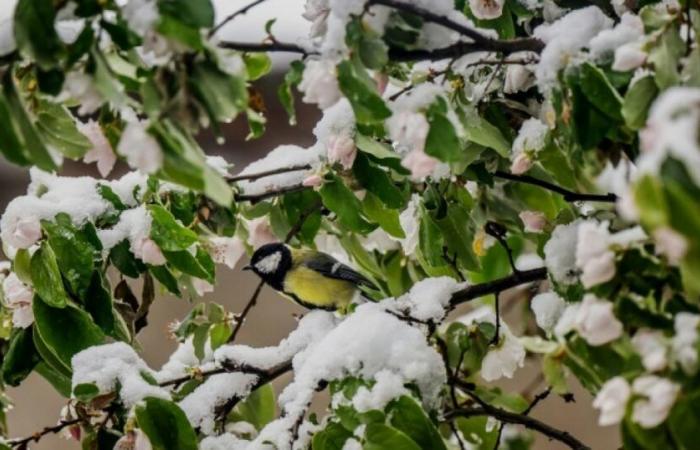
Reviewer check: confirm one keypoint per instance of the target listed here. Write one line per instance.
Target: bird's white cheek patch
(269, 263)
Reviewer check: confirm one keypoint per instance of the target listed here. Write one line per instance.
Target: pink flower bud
(149, 252)
(521, 164)
(534, 221)
(382, 81)
(419, 163)
(313, 181)
(202, 286)
(341, 149)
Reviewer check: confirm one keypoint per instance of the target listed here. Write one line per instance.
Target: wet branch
(22, 443)
(475, 291)
(267, 173)
(254, 198)
(569, 196)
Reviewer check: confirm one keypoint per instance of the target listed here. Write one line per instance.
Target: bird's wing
(330, 267)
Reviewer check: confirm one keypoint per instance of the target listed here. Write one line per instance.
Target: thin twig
(267, 173)
(484, 42)
(283, 47)
(254, 198)
(36, 437)
(496, 336)
(232, 16)
(569, 196)
(475, 291)
(519, 419)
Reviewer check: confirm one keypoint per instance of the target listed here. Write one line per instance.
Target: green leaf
(166, 278)
(637, 102)
(381, 437)
(168, 233)
(59, 381)
(258, 408)
(284, 91)
(458, 232)
(387, 219)
(165, 425)
(195, 13)
(185, 262)
(683, 420)
(21, 357)
(74, 253)
(332, 437)
(100, 306)
(33, 15)
(430, 240)
(257, 65)
(181, 32)
(442, 141)
(372, 50)
(597, 88)
(46, 277)
(86, 392)
(10, 143)
(665, 56)
(377, 181)
(482, 132)
(374, 148)
(53, 324)
(122, 258)
(342, 201)
(57, 127)
(367, 104)
(221, 94)
(407, 415)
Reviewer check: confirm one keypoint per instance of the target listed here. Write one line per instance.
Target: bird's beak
(248, 267)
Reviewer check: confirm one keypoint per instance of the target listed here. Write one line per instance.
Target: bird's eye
(269, 263)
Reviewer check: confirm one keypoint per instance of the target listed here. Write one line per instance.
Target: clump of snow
(201, 405)
(630, 29)
(226, 441)
(282, 156)
(116, 366)
(560, 253)
(428, 299)
(548, 308)
(386, 388)
(49, 195)
(564, 38)
(530, 140)
(183, 359)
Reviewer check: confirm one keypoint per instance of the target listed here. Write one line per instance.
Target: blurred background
(37, 405)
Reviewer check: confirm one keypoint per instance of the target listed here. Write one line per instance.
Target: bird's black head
(271, 263)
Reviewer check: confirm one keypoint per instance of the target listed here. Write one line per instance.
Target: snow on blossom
(595, 250)
(612, 400)
(509, 354)
(595, 321)
(486, 9)
(519, 77)
(548, 308)
(226, 250)
(282, 156)
(203, 403)
(115, 366)
(670, 244)
(408, 130)
(316, 12)
(629, 30)
(629, 57)
(560, 253)
(141, 150)
(684, 344)
(135, 225)
(183, 359)
(672, 131)
(319, 83)
(342, 150)
(7, 35)
(564, 38)
(534, 221)
(388, 386)
(101, 151)
(226, 441)
(530, 140)
(50, 194)
(657, 397)
(427, 300)
(410, 224)
(17, 297)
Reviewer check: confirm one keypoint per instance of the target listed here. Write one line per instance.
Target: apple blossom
(141, 150)
(612, 400)
(658, 396)
(316, 12)
(534, 221)
(341, 149)
(519, 77)
(148, 251)
(226, 250)
(548, 308)
(595, 321)
(18, 298)
(101, 151)
(260, 233)
(652, 347)
(486, 9)
(670, 244)
(319, 84)
(408, 130)
(420, 164)
(24, 233)
(314, 181)
(141, 441)
(202, 287)
(629, 57)
(521, 164)
(685, 351)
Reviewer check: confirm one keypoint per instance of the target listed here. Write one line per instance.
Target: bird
(313, 279)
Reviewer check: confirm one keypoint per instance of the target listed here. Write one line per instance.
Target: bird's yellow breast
(315, 289)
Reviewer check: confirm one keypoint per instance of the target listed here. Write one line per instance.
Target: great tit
(310, 278)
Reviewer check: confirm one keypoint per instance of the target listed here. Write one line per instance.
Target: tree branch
(483, 42)
(232, 16)
(36, 437)
(266, 47)
(501, 284)
(569, 196)
(519, 419)
(267, 173)
(254, 198)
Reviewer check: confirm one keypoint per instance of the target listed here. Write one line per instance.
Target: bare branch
(475, 291)
(569, 196)
(232, 16)
(267, 173)
(36, 437)
(284, 47)
(254, 198)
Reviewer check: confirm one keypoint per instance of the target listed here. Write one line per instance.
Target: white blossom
(685, 351)
(141, 441)
(341, 149)
(314, 180)
(486, 9)
(629, 57)
(408, 130)
(81, 88)
(226, 250)
(651, 346)
(316, 12)
(595, 321)
(101, 151)
(319, 83)
(24, 232)
(530, 140)
(141, 15)
(141, 150)
(548, 308)
(148, 251)
(670, 244)
(18, 298)
(658, 396)
(260, 233)
(612, 401)
(560, 253)
(410, 224)
(202, 287)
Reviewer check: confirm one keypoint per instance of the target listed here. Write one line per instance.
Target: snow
(684, 344)
(560, 253)
(225, 441)
(115, 366)
(428, 299)
(628, 30)
(282, 156)
(548, 308)
(201, 405)
(530, 140)
(564, 38)
(338, 120)
(183, 359)
(388, 386)
(134, 224)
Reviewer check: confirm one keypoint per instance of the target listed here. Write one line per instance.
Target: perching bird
(312, 279)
